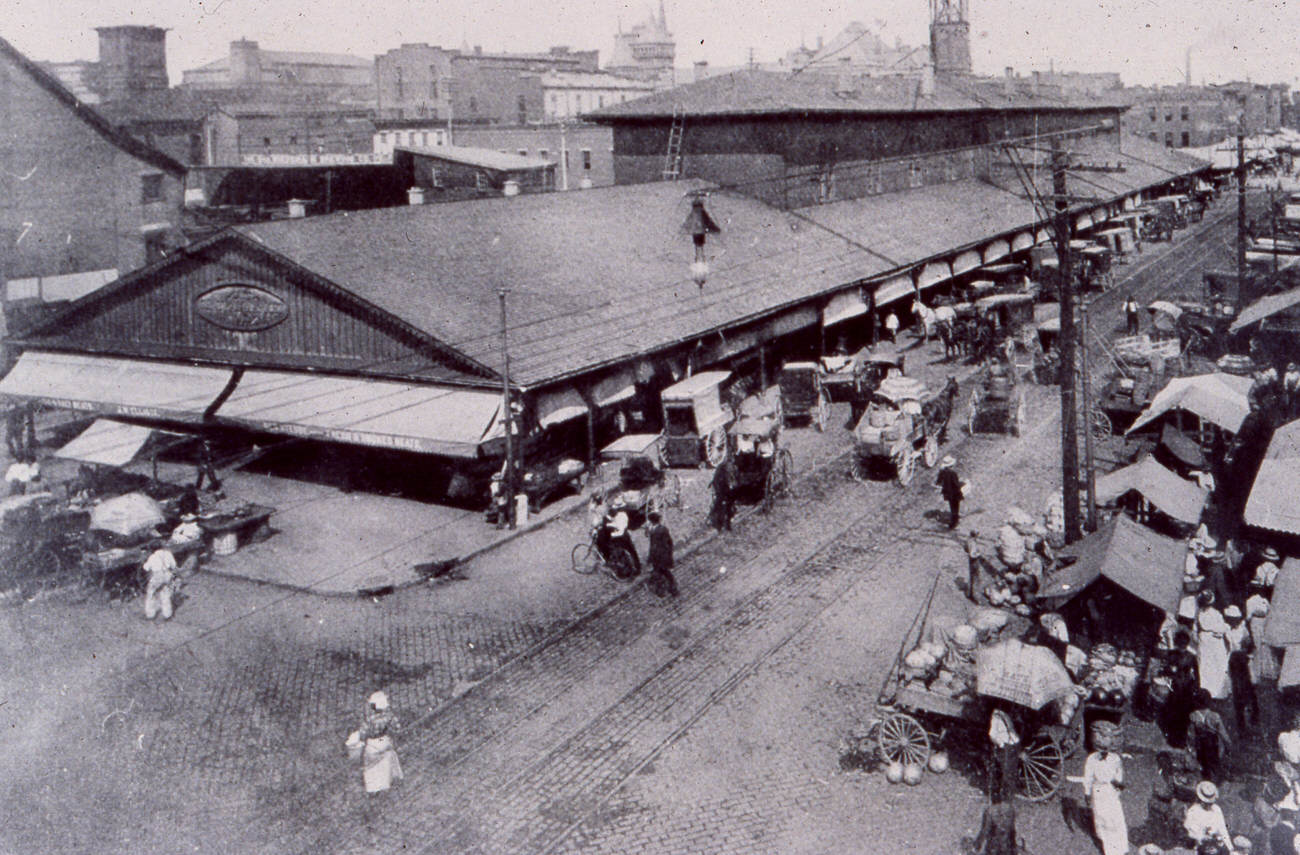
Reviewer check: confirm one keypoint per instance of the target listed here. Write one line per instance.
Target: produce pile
(1110, 676)
(945, 664)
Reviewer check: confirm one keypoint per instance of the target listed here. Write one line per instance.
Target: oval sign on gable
(241, 308)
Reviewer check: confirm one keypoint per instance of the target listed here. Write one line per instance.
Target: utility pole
(564, 156)
(1069, 409)
(509, 484)
(1088, 465)
(1241, 203)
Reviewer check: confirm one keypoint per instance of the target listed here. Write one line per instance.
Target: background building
(248, 133)
(646, 51)
(253, 73)
(77, 194)
(567, 94)
(582, 152)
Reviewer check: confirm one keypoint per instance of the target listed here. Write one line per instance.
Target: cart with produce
(949, 677)
(896, 429)
(804, 396)
(631, 475)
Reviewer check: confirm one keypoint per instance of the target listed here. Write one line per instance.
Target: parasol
(1025, 674)
(1165, 314)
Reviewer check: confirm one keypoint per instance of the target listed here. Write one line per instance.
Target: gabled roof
(596, 277)
(755, 92)
(100, 125)
(289, 57)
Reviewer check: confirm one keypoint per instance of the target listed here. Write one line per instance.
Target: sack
(354, 745)
(965, 489)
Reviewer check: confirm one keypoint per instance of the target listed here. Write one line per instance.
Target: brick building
(427, 81)
(257, 74)
(583, 153)
(76, 193)
(238, 132)
(1178, 116)
(791, 134)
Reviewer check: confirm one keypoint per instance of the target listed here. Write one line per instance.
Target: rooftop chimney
(415, 196)
(297, 209)
(701, 69)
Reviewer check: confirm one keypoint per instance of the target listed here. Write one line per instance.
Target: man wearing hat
(1266, 571)
(951, 485)
(1103, 778)
(1204, 818)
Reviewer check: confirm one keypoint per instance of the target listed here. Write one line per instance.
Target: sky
(1144, 40)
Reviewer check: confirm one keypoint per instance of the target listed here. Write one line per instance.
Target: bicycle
(617, 562)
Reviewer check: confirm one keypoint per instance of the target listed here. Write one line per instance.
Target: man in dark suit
(661, 581)
(723, 505)
(950, 485)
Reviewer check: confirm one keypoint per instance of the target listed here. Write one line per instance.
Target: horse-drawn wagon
(902, 422)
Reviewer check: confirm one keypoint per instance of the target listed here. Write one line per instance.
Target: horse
(938, 410)
(925, 317)
(948, 335)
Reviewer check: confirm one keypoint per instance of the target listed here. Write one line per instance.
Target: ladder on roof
(673, 158)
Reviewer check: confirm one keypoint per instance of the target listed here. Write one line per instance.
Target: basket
(225, 544)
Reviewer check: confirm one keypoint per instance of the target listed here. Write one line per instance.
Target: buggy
(804, 395)
(760, 462)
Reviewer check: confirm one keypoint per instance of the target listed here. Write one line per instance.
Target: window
(383, 136)
(1169, 140)
(293, 139)
(400, 87)
(266, 142)
(196, 148)
(473, 106)
(586, 158)
(1153, 136)
(155, 246)
(435, 177)
(1184, 112)
(1169, 115)
(481, 181)
(521, 107)
(151, 188)
(1152, 113)
(543, 152)
(424, 138)
(915, 176)
(1186, 139)
(600, 99)
(523, 152)
(433, 81)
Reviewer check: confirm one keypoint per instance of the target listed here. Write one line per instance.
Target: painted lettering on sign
(241, 308)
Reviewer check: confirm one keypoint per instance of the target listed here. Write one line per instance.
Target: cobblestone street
(598, 720)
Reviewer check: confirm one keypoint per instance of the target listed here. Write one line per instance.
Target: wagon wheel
(930, 451)
(1018, 423)
(858, 469)
(661, 453)
(906, 467)
(1100, 424)
(620, 563)
(902, 739)
(1042, 766)
(586, 560)
(1070, 736)
(822, 414)
(715, 447)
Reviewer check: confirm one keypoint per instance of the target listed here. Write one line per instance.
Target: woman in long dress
(1212, 648)
(380, 766)
(1103, 778)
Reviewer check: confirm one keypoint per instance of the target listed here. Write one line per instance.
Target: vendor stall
(1154, 496)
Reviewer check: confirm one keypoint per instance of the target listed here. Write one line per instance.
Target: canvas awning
(995, 250)
(1217, 398)
(968, 260)
(1283, 626)
(1023, 240)
(1274, 501)
(1177, 497)
(894, 288)
(1265, 307)
(560, 406)
(935, 272)
(844, 305)
(614, 389)
(105, 384)
(432, 419)
(1083, 221)
(107, 443)
(1146, 564)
